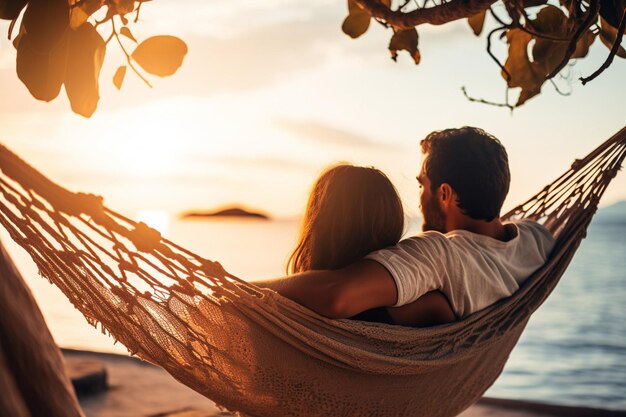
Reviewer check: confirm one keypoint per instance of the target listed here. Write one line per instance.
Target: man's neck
(494, 229)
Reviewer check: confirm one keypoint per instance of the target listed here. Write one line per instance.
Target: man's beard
(434, 217)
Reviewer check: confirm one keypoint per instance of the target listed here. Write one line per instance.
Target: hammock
(251, 350)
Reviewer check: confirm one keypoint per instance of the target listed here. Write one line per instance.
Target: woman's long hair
(351, 212)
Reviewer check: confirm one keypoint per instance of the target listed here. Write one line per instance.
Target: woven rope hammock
(253, 351)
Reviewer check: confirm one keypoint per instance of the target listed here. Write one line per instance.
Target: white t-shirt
(472, 270)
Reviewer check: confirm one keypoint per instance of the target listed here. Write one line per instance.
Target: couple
(350, 262)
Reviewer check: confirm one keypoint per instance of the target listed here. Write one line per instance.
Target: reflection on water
(572, 352)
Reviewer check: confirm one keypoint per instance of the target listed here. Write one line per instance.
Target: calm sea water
(572, 352)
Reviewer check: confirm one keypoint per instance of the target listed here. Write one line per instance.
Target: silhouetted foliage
(59, 43)
(542, 38)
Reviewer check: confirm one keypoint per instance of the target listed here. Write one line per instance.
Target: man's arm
(431, 309)
(339, 293)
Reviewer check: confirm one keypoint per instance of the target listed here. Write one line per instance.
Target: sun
(157, 219)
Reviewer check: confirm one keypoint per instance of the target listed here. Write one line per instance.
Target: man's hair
(474, 163)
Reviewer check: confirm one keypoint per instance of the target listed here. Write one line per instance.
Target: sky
(273, 92)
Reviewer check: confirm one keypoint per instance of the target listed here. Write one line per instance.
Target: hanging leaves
(58, 45)
(405, 40)
(126, 32)
(45, 21)
(80, 12)
(611, 11)
(84, 60)
(521, 72)
(357, 22)
(41, 48)
(542, 38)
(533, 3)
(41, 70)
(160, 55)
(123, 7)
(11, 9)
(608, 36)
(46, 44)
(118, 78)
(549, 53)
(583, 44)
(477, 21)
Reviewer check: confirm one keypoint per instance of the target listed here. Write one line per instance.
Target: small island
(231, 212)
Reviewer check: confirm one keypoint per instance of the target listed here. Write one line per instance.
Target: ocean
(573, 351)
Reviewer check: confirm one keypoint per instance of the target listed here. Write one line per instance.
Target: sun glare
(146, 149)
(157, 219)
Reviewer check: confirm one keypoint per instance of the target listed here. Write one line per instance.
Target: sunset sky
(272, 92)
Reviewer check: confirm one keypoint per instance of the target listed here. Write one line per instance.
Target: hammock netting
(255, 352)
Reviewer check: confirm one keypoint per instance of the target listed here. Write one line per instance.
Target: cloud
(262, 55)
(266, 162)
(322, 133)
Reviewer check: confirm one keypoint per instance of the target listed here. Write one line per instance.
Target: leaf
(11, 9)
(405, 40)
(42, 46)
(46, 21)
(124, 6)
(40, 69)
(118, 78)
(84, 60)
(126, 32)
(612, 10)
(477, 21)
(533, 3)
(547, 53)
(583, 44)
(81, 12)
(357, 22)
(551, 21)
(160, 55)
(608, 36)
(522, 73)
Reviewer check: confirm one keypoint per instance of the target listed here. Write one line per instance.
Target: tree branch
(437, 15)
(525, 28)
(137, 12)
(128, 57)
(558, 90)
(614, 49)
(495, 59)
(482, 101)
(495, 16)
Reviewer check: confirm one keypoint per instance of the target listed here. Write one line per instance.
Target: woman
(351, 212)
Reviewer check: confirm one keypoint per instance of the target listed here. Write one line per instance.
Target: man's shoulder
(537, 229)
(538, 234)
(428, 237)
(430, 242)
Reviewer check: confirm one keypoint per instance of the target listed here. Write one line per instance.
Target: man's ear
(446, 195)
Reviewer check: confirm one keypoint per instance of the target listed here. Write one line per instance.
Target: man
(465, 252)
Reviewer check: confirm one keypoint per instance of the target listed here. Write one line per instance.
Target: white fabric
(472, 270)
